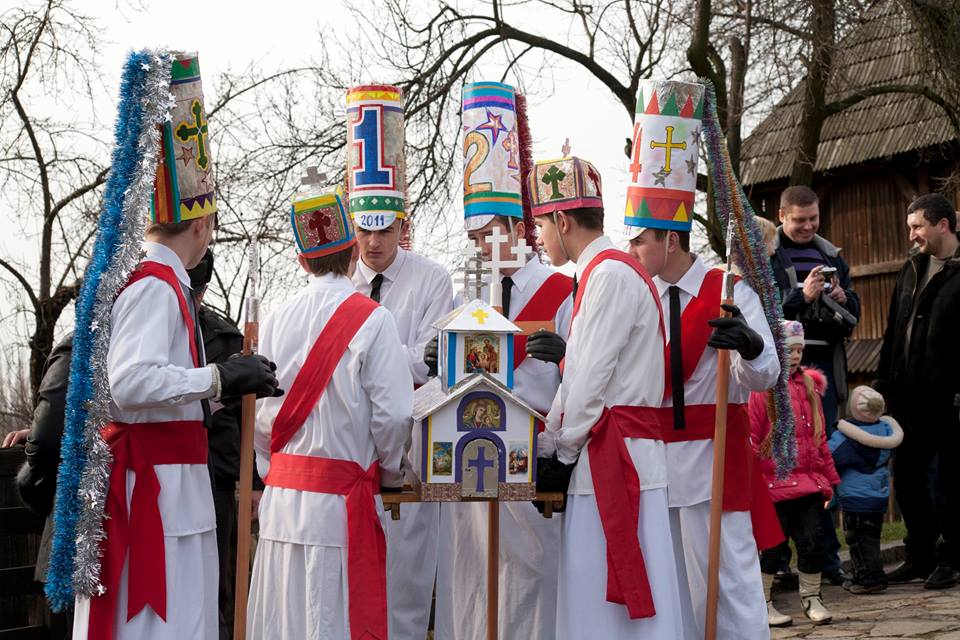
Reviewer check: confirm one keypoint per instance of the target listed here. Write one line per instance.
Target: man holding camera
(815, 287)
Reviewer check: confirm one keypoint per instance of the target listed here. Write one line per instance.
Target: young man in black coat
(919, 379)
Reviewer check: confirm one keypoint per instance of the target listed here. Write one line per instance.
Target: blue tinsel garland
(750, 255)
(128, 167)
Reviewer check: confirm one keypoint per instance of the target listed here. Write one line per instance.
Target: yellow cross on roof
(480, 315)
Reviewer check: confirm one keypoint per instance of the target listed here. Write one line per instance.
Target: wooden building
(873, 160)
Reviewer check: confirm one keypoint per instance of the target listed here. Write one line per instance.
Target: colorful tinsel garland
(750, 256)
(145, 103)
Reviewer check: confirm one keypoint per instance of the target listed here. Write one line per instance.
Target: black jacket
(222, 339)
(37, 479)
(818, 323)
(922, 386)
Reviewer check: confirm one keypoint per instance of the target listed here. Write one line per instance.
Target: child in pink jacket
(799, 498)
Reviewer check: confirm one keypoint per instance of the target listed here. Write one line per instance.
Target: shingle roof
(885, 49)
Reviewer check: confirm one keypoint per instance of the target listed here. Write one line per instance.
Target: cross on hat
(313, 177)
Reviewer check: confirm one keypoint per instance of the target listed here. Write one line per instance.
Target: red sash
(152, 269)
(696, 332)
(366, 544)
(743, 486)
(139, 530)
(543, 306)
(617, 489)
(315, 374)
(138, 447)
(627, 259)
(615, 480)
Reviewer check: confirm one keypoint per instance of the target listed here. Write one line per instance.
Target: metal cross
(471, 277)
(495, 264)
(314, 177)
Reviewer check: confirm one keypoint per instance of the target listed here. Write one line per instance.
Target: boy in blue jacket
(861, 449)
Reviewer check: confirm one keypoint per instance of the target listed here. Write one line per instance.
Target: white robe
(529, 543)
(614, 357)
(300, 582)
(418, 292)
(742, 611)
(154, 380)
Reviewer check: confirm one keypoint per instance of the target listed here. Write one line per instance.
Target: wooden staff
(493, 569)
(251, 331)
(719, 456)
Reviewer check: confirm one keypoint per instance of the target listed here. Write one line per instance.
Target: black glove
(547, 346)
(553, 476)
(241, 375)
(735, 333)
(431, 356)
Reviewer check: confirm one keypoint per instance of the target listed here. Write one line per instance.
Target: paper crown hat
(793, 332)
(663, 163)
(321, 225)
(567, 183)
(184, 188)
(376, 174)
(491, 154)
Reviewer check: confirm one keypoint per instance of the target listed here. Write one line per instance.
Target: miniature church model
(473, 437)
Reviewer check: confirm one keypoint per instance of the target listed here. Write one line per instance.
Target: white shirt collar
(391, 273)
(521, 278)
(331, 281)
(689, 282)
(590, 252)
(165, 255)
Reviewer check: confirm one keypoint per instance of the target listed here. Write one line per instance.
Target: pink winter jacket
(814, 471)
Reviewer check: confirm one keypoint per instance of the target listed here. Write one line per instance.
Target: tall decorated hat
(184, 187)
(663, 164)
(491, 154)
(321, 225)
(566, 183)
(376, 174)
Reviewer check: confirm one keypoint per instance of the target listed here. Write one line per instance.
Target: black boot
(943, 577)
(908, 572)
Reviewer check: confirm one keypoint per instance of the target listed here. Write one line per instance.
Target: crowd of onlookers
(911, 415)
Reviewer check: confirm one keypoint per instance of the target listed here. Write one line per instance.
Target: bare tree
(47, 178)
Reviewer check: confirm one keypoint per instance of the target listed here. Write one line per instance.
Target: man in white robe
(684, 283)
(418, 293)
(529, 543)
(160, 392)
(326, 449)
(617, 573)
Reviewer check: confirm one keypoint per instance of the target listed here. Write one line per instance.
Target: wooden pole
(248, 408)
(493, 569)
(716, 492)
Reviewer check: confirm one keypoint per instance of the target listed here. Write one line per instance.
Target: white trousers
(741, 609)
(412, 568)
(529, 563)
(582, 608)
(192, 577)
(298, 592)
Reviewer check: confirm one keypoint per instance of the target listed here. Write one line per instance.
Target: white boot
(774, 617)
(810, 600)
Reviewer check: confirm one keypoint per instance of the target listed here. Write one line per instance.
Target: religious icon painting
(442, 458)
(481, 353)
(519, 458)
(482, 413)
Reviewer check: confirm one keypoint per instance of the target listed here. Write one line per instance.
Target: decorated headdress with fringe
(750, 256)
(145, 107)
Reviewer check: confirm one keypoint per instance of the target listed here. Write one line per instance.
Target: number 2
(478, 141)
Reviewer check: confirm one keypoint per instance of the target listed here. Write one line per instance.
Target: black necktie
(375, 287)
(574, 294)
(676, 360)
(507, 284)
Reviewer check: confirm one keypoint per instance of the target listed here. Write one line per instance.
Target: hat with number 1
(376, 174)
(663, 162)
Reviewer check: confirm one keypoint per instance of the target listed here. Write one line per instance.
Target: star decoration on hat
(494, 125)
(660, 177)
(695, 136)
(691, 165)
(186, 155)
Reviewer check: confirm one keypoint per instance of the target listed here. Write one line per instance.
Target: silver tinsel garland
(95, 479)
